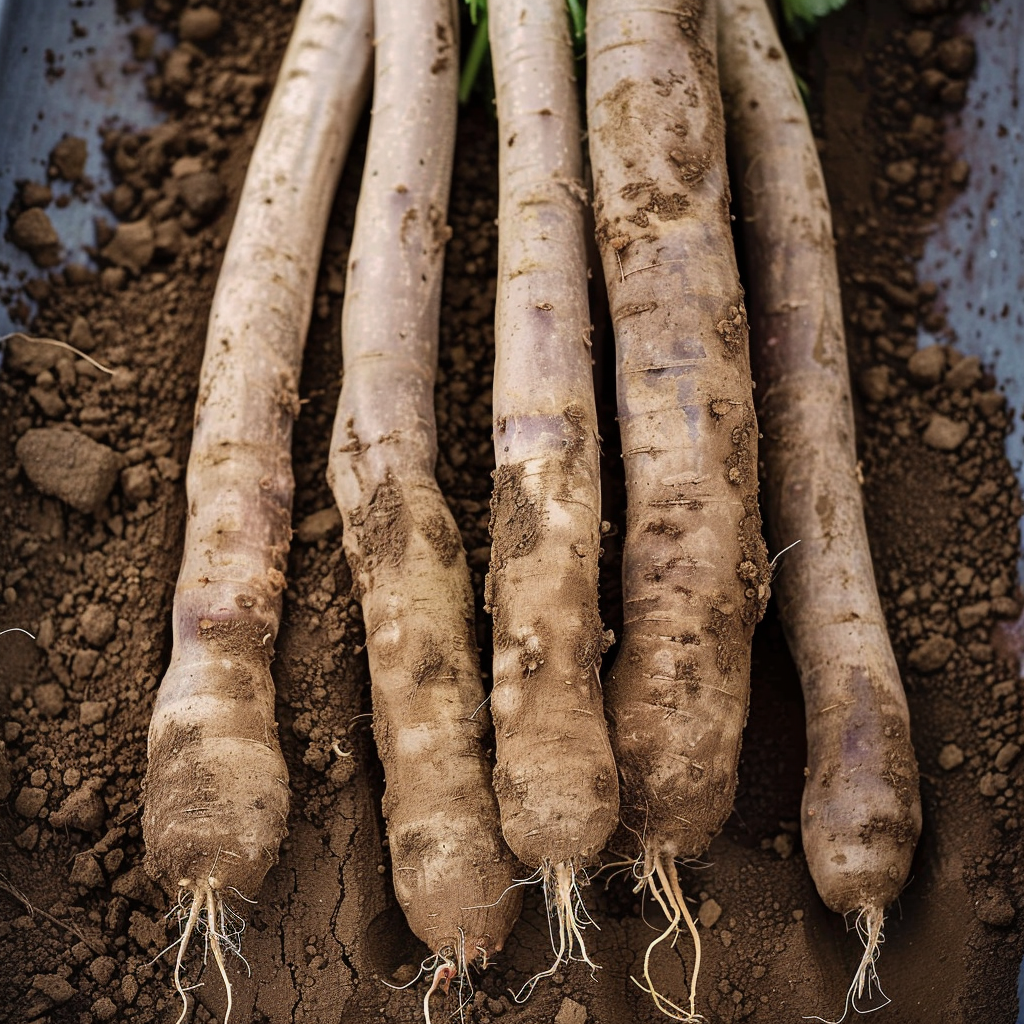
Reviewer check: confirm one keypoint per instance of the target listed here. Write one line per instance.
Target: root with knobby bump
(565, 908)
(869, 927)
(663, 885)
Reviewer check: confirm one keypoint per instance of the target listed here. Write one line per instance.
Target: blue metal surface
(976, 254)
(61, 73)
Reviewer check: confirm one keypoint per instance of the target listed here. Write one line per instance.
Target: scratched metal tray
(61, 74)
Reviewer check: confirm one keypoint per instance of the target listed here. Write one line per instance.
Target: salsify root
(217, 785)
(555, 775)
(695, 572)
(452, 870)
(861, 811)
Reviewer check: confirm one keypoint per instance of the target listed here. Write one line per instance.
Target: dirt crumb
(69, 465)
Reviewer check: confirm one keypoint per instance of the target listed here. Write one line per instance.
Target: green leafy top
(807, 10)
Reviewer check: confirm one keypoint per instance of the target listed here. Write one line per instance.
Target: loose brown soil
(82, 924)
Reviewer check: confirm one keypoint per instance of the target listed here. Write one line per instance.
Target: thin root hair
(19, 336)
(774, 563)
(563, 901)
(482, 704)
(868, 925)
(17, 629)
(621, 866)
(203, 911)
(663, 885)
(9, 887)
(535, 879)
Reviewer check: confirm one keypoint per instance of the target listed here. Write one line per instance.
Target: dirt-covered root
(861, 810)
(555, 775)
(451, 867)
(695, 572)
(217, 785)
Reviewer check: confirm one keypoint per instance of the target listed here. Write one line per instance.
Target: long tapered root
(663, 885)
(865, 981)
(202, 911)
(567, 917)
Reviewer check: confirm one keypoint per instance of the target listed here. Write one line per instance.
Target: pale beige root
(555, 775)
(205, 914)
(217, 785)
(658, 878)
(451, 865)
(861, 814)
(695, 572)
(562, 885)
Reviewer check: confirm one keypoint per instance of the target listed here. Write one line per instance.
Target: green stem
(474, 60)
(579, 20)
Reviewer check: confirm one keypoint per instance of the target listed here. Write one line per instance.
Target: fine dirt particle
(202, 194)
(709, 913)
(965, 374)
(996, 909)
(55, 988)
(32, 193)
(932, 654)
(570, 1012)
(97, 625)
(49, 699)
(950, 757)
(927, 364)
(83, 809)
(944, 433)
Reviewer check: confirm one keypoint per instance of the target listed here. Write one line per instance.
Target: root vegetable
(695, 573)
(555, 775)
(217, 785)
(861, 814)
(451, 866)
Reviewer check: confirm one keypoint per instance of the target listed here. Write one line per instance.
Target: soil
(92, 541)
